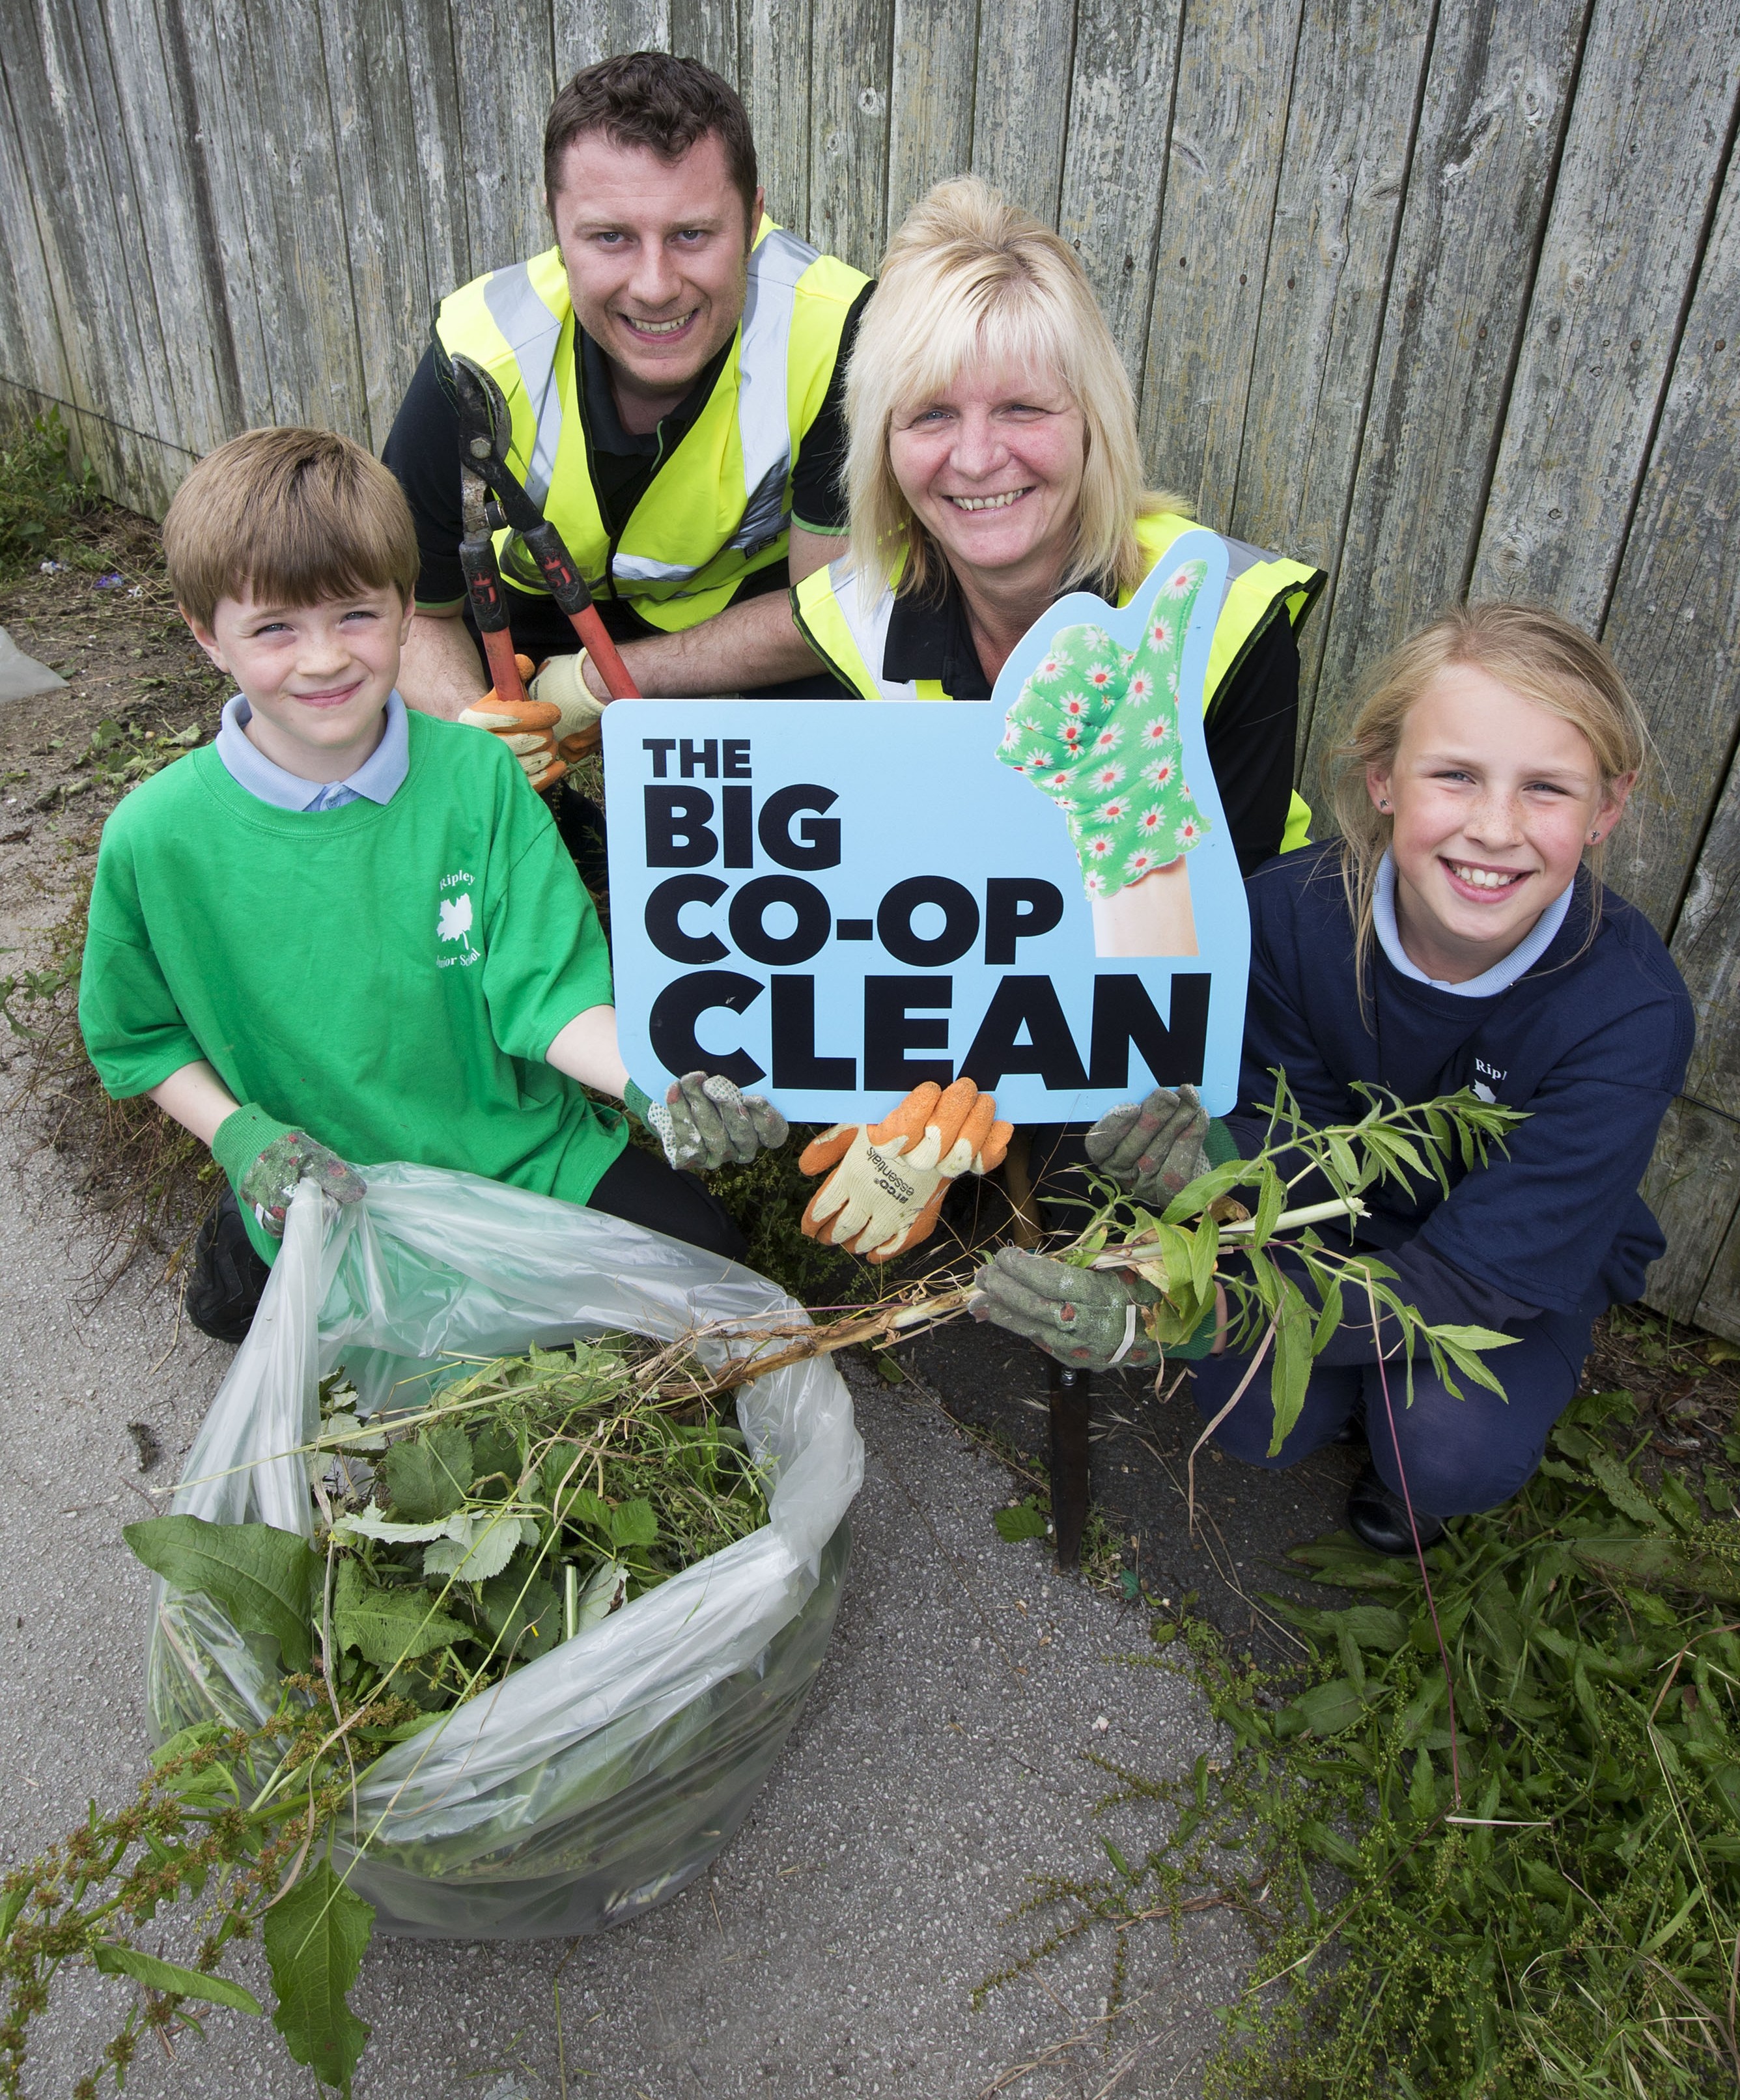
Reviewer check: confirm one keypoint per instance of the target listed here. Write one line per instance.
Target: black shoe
(1353, 1431)
(1380, 1518)
(224, 1291)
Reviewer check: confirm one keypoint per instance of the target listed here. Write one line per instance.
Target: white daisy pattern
(1073, 715)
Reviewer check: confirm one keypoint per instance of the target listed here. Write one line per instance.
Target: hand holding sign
(889, 1177)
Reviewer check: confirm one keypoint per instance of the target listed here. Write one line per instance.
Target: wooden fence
(1442, 295)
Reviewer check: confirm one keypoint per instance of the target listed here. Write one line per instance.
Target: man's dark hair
(650, 98)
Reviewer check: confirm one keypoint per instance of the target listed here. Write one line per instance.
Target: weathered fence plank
(275, 74)
(1498, 95)
(1115, 166)
(707, 30)
(108, 343)
(507, 77)
(1675, 617)
(854, 61)
(1705, 948)
(585, 31)
(1693, 1187)
(374, 121)
(1357, 83)
(1235, 70)
(1629, 211)
(931, 119)
(183, 273)
(1021, 101)
(435, 135)
(774, 56)
(32, 354)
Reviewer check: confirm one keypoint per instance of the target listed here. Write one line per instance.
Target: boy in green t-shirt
(344, 932)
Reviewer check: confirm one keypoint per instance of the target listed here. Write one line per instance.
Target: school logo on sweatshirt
(1490, 1076)
(453, 923)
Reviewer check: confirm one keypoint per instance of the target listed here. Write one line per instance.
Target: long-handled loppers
(485, 433)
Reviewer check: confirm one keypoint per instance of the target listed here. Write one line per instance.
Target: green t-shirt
(386, 977)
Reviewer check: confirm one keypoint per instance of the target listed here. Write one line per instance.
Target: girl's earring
(1384, 804)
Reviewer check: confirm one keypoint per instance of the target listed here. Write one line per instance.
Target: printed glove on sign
(889, 1177)
(1095, 727)
(527, 728)
(1154, 1148)
(704, 1122)
(1088, 1316)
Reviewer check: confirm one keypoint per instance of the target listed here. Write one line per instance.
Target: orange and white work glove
(527, 728)
(889, 1177)
(562, 681)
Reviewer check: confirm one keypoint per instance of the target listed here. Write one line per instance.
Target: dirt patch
(139, 696)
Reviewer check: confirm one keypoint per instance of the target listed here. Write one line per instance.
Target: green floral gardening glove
(265, 1159)
(1095, 727)
(705, 1122)
(1087, 1317)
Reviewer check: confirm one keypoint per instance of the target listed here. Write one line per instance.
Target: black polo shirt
(423, 450)
(1251, 729)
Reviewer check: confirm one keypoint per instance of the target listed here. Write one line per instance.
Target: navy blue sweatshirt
(1592, 1041)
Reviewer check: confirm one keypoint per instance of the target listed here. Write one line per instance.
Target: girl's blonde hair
(970, 276)
(1533, 653)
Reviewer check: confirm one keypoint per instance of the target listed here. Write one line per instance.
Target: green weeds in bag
(533, 1496)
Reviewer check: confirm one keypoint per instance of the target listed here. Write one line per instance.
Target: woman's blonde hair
(1531, 652)
(968, 277)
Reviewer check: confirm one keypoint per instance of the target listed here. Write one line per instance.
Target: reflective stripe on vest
(850, 632)
(707, 518)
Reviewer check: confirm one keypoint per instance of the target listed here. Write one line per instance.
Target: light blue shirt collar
(377, 780)
(1524, 956)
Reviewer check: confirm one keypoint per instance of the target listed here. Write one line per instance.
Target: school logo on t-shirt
(1490, 1076)
(453, 922)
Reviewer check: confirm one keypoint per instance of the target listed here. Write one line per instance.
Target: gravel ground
(834, 1948)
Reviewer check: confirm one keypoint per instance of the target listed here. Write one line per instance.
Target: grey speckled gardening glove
(1152, 1148)
(1088, 1316)
(705, 1122)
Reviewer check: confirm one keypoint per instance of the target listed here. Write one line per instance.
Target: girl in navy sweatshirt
(1454, 936)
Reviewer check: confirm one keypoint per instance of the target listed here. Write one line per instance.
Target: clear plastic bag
(607, 1774)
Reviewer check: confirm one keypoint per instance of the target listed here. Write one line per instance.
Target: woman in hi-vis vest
(992, 467)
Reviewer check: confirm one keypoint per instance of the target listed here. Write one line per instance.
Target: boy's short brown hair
(292, 516)
(651, 99)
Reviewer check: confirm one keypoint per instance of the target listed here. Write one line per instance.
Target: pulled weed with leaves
(1179, 1251)
(1568, 1919)
(235, 1819)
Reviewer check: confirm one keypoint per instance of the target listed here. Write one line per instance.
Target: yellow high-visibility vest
(720, 507)
(847, 626)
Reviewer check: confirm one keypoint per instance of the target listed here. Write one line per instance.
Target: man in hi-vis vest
(673, 367)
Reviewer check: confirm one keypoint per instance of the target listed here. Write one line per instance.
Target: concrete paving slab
(836, 1946)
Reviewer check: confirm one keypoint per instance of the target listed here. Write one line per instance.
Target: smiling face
(317, 677)
(1494, 799)
(991, 467)
(657, 258)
